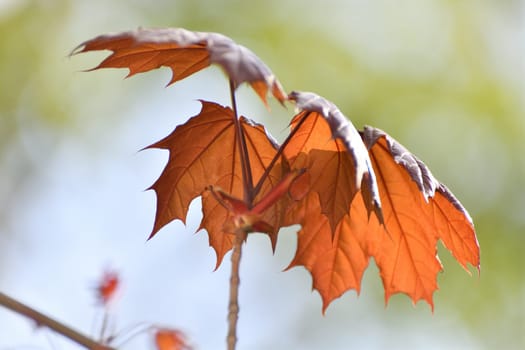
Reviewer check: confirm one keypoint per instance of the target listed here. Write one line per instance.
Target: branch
(233, 306)
(46, 321)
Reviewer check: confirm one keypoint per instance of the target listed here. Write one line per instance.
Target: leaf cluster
(355, 194)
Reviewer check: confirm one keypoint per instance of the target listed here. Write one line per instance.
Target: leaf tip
(78, 49)
(370, 196)
(270, 84)
(324, 308)
(154, 231)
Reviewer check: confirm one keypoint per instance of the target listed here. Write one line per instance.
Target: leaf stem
(233, 306)
(245, 160)
(43, 320)
(104, 326)
(280, 151)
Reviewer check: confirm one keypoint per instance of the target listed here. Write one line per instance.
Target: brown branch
(45, 321)
(233, 306)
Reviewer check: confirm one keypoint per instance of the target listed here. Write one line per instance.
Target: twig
(233, 306)
(104, 326)
(46, 321)
(129, 333)
(240, 234)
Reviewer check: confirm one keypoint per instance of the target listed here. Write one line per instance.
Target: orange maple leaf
(335, 222)
(203, 153)
(418, 211)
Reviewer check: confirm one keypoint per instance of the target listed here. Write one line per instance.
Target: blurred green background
(445, 78)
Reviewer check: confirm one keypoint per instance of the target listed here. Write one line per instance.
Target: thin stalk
(104, 326)
(240, 235)
(128, 334)
(233, 306)
(280, 151)
(241, 142)
(46, 321)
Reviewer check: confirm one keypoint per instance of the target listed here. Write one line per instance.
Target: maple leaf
(337, 162)
(418, 211)
(184, 52)
(203, 153)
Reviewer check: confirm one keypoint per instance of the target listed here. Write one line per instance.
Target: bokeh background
(446, 78)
